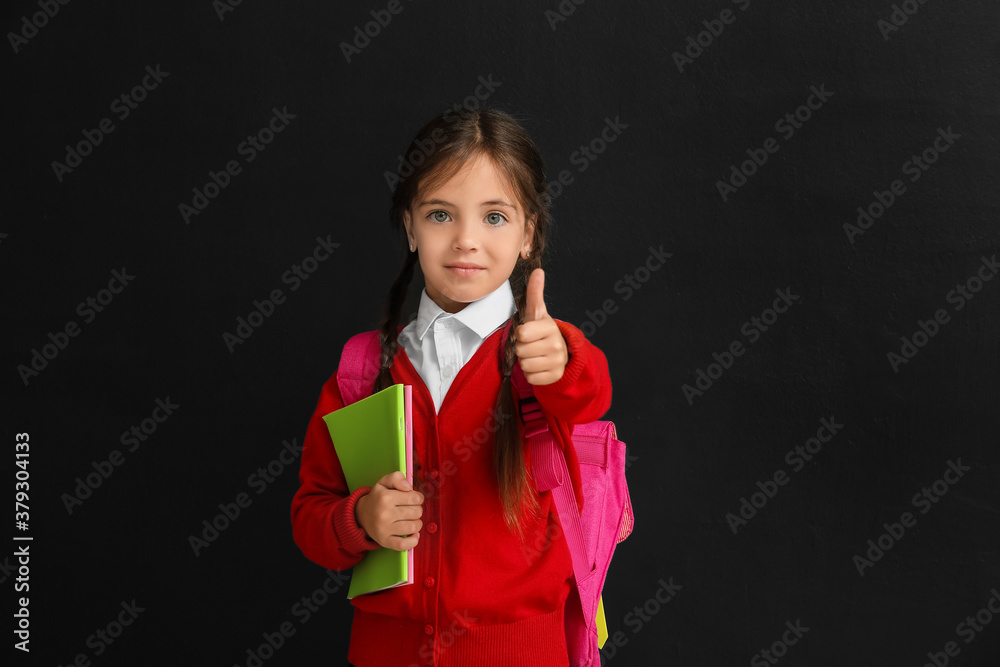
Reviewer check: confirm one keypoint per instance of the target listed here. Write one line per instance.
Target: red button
(432, 528)
(433, 474)
(429, 629)
(428, 581)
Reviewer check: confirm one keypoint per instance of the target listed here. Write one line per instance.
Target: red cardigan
(480, 596)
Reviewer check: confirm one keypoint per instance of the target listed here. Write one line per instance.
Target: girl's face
(469, 232)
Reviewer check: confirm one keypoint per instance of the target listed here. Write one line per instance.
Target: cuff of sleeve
(574, 343)
(352, 536)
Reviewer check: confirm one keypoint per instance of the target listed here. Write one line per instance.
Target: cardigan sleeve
(581, 395)
(324, 524)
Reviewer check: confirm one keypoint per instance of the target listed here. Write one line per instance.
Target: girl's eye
(436, 216)
(495, 219)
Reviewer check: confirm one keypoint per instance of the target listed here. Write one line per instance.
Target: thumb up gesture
(541, 349)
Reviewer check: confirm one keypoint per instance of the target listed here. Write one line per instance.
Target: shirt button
(429, 582)
(447, 323)
(432, 527)
(448, 370)
(428, 629)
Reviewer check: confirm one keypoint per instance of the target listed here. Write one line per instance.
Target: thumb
(395, 480)
(535, 299)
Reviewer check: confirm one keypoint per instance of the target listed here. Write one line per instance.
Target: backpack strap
(359, 365)
(549, 468)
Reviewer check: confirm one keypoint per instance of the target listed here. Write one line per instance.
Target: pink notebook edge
(408, 428)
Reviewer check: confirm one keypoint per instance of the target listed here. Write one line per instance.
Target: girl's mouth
(465, 271)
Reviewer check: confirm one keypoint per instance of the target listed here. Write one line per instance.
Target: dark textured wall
(829, 466)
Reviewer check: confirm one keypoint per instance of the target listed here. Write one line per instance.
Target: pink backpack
(591, 535)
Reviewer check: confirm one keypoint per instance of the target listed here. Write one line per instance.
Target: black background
(655, 185)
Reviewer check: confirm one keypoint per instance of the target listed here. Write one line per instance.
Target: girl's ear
(529, 233)
(408, 224)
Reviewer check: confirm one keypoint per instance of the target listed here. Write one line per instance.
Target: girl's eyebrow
(441, 202)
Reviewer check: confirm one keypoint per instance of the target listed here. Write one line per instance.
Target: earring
(527, 254)
(411, 247)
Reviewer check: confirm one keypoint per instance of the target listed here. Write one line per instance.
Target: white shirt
(439, 343)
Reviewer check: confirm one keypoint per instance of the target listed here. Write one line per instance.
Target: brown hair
(437, 153)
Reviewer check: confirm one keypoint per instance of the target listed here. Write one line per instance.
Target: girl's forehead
(479, 171)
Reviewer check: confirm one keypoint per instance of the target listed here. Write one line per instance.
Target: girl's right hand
(390, 513)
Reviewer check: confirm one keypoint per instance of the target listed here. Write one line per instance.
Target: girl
(492, 570)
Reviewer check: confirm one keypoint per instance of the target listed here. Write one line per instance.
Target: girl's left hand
(541, 349)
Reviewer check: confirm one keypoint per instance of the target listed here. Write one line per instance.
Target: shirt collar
(482, 316)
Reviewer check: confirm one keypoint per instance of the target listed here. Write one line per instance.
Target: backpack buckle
(528, 406)
(532, 416)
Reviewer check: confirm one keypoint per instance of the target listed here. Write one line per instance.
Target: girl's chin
(458, 299)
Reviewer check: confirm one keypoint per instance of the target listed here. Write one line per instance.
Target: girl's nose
(466, 234)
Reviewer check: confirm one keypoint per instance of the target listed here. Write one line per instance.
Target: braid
(508, 452)
(389, 331)
(389, 328)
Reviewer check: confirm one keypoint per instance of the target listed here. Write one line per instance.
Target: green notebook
(374, 437)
